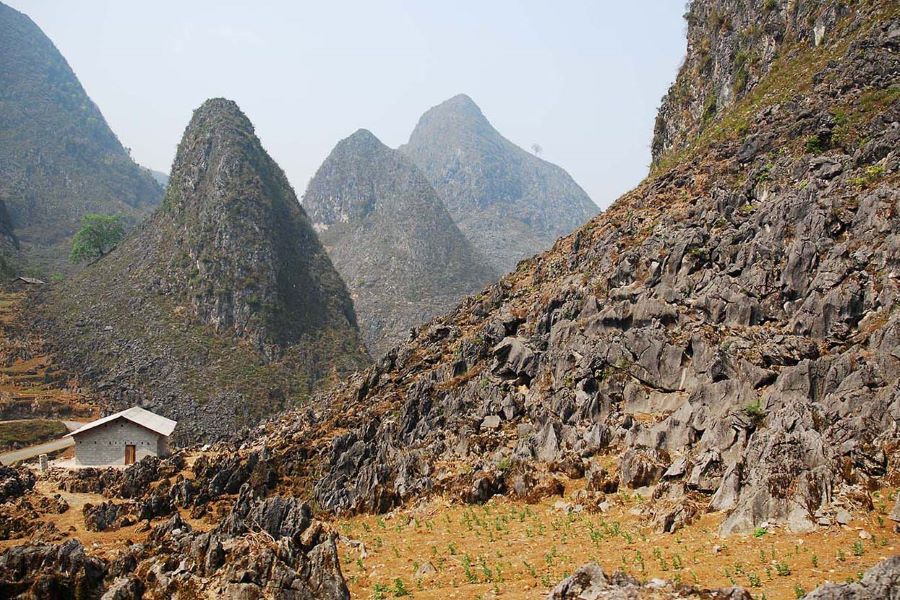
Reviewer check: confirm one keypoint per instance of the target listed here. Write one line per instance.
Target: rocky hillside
(509, 203)
(729, 53)
(723, 338)
(223, 306)
(391, 239)
(58, 157)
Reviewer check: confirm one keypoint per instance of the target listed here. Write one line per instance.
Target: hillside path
(33, 451)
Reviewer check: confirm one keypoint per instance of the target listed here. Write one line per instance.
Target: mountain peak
(362, 135)
(217, 109)
(361, 141)
(231, 270)
(390, 238)
(221, 116)
(59, 159)
(461, 103)
(509, 203)
(458, 112)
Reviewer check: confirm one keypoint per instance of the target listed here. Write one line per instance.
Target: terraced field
(35, 397)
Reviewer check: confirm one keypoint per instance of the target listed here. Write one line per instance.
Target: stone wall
(105, 444)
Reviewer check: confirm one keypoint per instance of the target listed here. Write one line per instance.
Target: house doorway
(129, 454)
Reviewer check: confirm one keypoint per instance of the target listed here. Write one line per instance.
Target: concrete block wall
(105, 444)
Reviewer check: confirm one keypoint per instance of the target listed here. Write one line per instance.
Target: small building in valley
(122, 438)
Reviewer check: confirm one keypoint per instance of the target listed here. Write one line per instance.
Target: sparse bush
(400, 588)
(710, 107)
(816, 144)
(756, 412)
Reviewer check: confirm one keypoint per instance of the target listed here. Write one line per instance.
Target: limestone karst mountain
(391, 239)
(719, 347)
(509, 203)
(223, 306)
(727, 332)
(58, 157)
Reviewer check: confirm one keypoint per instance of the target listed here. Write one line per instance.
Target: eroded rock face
(265, 548)
(14, 482)
(591, 583)
(729, 328)
(731, 48)
(881, 581)
(50, 571)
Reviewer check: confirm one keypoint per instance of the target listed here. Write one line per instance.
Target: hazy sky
(581, 78)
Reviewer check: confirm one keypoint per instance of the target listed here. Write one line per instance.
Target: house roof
(31, 280)
(135, 414)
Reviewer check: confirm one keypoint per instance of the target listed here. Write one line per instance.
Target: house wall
(105, 444)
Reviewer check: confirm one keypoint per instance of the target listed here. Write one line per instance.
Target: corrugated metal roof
(138, 415)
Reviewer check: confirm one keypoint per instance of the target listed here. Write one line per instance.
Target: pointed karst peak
(217, 112)
(363, 136)
(361, 141)
(219, 138)
(460, 110)
(234, 260)
(460, 103)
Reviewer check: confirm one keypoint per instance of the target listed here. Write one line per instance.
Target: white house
(123, 438)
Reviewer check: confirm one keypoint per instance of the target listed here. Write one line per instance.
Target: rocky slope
(215, 527)
(391, 239)
(727, 333)
(509, 203)
(881, 581)
(729, 53)
(58, 157)
(10, 256)
(223, 306)
(268, 547)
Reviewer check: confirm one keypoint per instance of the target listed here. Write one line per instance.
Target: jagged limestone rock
(731, 322)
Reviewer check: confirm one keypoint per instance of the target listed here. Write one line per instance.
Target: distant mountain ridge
(509, 203)
(223, 307)
(58, 157)
(391, 239)
(160, 177)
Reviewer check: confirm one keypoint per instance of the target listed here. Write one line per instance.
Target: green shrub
(98, 235)
(756, 412)
(709, 108)
(400, 588)
(816, 144)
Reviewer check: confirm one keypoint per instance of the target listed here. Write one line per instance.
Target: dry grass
(515, 550)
